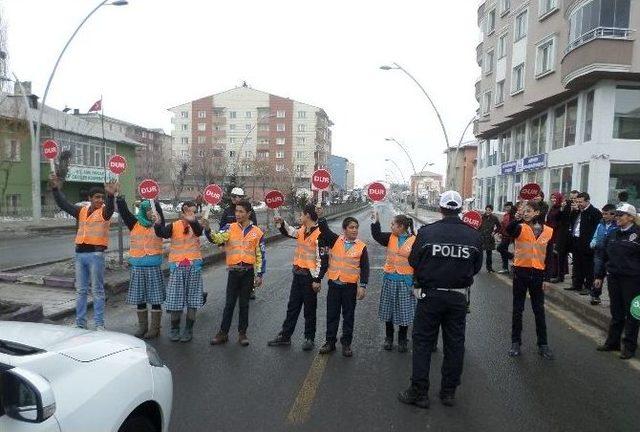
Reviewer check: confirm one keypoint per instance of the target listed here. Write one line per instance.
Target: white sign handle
(207, 210)
(276, 213)
(52, 165)
(319, 200)
(153, 207)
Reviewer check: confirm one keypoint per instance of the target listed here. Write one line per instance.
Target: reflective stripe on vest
(398, 257)
(183, 245)
(92, 229)
(529, 251)
(305, 255)
(144, 241)
(242, 248)
(344, 265)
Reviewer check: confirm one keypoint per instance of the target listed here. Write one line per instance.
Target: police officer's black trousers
(301, 294)
(622, 290)
(341, 298)
(528, 279)
(582, 276)
(449, 310)
(239, 286)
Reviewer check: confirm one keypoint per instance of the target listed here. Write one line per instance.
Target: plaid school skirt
(146, 286)
(184, 289)
(397, 304)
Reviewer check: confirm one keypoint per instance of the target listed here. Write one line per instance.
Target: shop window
(561, 180)
(625, 177)
(626, 123)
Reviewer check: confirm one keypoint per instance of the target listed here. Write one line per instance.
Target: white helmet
(237, 191)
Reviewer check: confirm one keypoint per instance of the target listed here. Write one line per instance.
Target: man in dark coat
(583, 225)
(562, 244)
(488, 227)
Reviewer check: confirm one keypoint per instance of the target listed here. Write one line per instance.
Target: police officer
(620, 259)
(445, 257)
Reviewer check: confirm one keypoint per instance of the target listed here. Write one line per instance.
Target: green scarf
(142, 214)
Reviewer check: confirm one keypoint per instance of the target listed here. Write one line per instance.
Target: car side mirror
(27, 396)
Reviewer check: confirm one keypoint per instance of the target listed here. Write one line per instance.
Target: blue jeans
(90, 269)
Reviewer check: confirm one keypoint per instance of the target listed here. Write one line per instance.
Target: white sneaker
(100, 328)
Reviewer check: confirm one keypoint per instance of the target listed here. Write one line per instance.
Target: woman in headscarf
(146, 285)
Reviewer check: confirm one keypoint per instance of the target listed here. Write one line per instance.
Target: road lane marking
(301, 408)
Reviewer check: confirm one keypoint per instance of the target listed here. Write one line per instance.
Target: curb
(122, 284)
(596, 316)
(26, 313)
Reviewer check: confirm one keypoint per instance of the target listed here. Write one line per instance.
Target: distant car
(260, 205)
(56, 378)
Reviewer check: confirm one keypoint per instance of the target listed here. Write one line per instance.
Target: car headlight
(154, 357)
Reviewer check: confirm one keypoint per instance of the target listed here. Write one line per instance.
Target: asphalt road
(231, 388)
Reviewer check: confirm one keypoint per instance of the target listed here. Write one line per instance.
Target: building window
(302, 128)
(280, 141)
(517, 79)
(201, 153)
(521, 26)
(486, 103)
(505, 147)
(232, 127)
(218, 112)
(561, 180)
(248, 154)
(232, 114)
(300, 140)
(299, 155)
(492, 150)
(488, 64)
(502, 46)
(185, 140)
(564, 125)
(302, 114)
(202, 114)
(595, 19)
(280, 114)
(280, 127)
(264, 141)
(626, 122)
(505, 6)
(232, 154)
(300, 168)
(491, 21)
(202, 139)
(624, 177)
(279, 154)
(184, 127)
(538, 136)
(232, 140)
(545, 55)
(499, 92)
(519, 141)
(546, 7)
(584, 177)
(183, 114)
(12, 151)
(588, 116)
(263, 128)
(144, 134)
(279, 167)
(202, 127)
(247, 114)
(263, 155)
(491, 190)
(150, 135)
(248, 127)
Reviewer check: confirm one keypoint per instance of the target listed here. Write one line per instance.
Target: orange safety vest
(93, 229)
(241, 248)
(306, 249)
(398, 257)
(144, 241)
(344, 265)
(183, 245)
(530, 252)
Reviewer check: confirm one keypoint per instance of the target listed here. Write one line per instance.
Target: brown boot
(221, 338)
(154, 326)
(242, 339)
(143, 323)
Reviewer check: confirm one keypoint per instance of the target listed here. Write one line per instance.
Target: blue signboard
(534, 162)
(508, 168)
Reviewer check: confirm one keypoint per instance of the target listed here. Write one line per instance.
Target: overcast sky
(154, 54)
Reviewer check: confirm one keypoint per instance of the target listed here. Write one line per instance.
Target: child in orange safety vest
(245, 258)
(531, 237)
(348, 276)
(397, 302)
(146, 285)
(185, 263)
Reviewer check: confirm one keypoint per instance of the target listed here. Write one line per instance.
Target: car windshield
(17, 349)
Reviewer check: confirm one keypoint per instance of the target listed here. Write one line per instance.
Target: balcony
(479, 53)
(602, 50)
(478, 89)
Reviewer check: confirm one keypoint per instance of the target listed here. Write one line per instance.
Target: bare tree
(207, 168)
(179, 168)
(4, 54)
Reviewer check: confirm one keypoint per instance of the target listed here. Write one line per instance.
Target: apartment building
(461, 168)
(559, 97)
(258, 136)
(338, 169)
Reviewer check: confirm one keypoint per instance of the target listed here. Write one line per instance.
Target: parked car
(56, 378)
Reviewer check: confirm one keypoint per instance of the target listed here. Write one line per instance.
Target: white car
(56, 378)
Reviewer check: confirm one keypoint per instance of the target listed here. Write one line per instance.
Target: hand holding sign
(473, 219)
(50, 151)
(212, 196)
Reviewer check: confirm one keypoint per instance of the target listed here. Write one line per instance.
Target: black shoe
(545, 352)
(327, 348)
(606, 348)
(280, 341)
(308, 345)
(626, 354)
(346, 351)
(556, 280)
(403, 346)
(584, 291)
(413, 396)
(595, 301)
(252, 296)
(448, 398)
(204, 297)
(388, 344)
(572, 289)
(489, 270)
(515, 350)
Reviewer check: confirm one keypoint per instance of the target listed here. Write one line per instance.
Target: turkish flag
(96, 106)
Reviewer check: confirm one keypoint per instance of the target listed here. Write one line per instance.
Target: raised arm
(325, 232)
(127, 217)
(219, 238)
(163, 231)
(378, 235)
(288, 230)
(65, 205)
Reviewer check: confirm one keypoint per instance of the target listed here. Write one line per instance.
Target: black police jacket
(446, 254)
(620, 254)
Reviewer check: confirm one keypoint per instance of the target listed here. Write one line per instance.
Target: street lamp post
(404, 180)
(35, 146)
(452, 181)
(413, 167)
